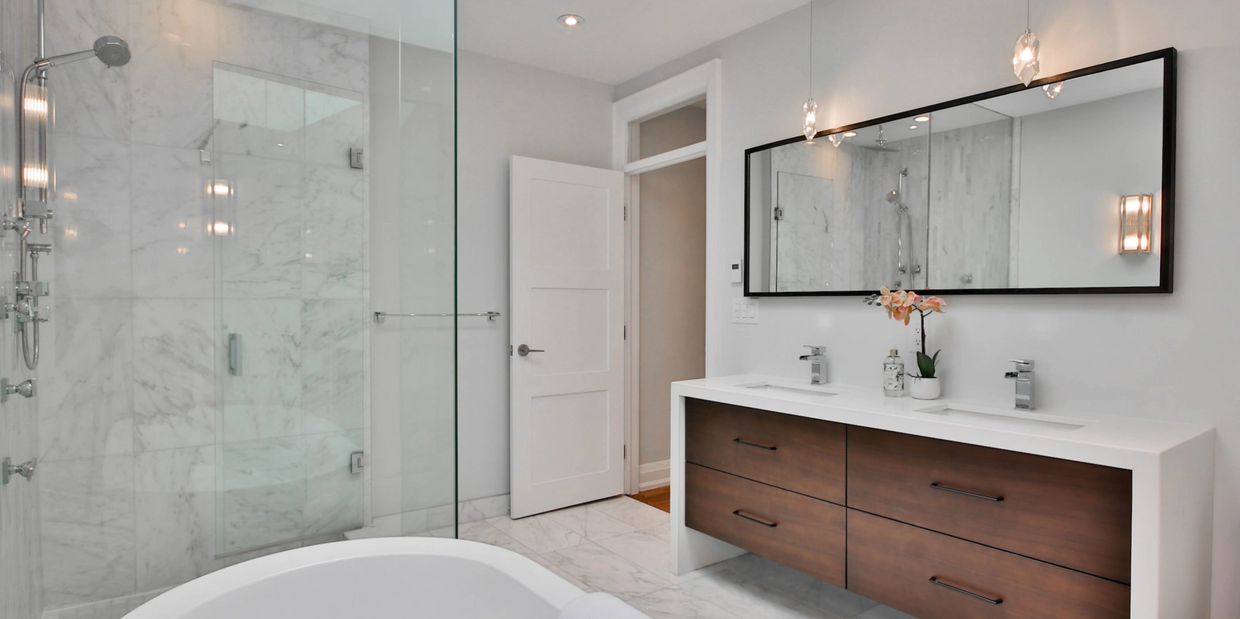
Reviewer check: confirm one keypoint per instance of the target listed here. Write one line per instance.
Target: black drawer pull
(996, 499)
(765, 523)
(768, 447)
(934, 580)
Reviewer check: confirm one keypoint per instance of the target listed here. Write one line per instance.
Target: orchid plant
(902, 305)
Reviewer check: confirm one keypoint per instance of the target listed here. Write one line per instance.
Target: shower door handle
(234, 354)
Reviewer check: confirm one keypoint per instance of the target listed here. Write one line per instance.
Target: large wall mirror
(1066, 186)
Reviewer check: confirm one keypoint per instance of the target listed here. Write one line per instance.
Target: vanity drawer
(803, 533)
(898, 565)
(1068, 513)
(795, 453)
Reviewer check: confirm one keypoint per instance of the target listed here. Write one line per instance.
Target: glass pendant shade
(1053, 90)
(835, 139)
(1026, 61)
(811, 121)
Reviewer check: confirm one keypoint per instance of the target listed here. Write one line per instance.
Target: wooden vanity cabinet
(934, 528)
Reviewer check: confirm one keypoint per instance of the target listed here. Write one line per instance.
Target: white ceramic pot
(925, 388)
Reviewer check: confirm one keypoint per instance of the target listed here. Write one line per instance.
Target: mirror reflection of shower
(904, 232)
(36, 178)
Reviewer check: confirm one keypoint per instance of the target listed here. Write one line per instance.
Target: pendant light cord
(1028, 21)
(811, 49)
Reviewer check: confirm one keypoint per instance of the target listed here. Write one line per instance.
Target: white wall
(1069, 206)
(1164, 357)
(505, 109)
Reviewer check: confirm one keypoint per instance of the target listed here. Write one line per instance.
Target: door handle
(234, 354)
(525, 350)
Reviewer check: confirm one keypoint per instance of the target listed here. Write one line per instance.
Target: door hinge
(626, 452)
(626, 333)
(626, 212)
(779, 213)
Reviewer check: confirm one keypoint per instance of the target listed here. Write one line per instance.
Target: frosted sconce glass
(1134, 223)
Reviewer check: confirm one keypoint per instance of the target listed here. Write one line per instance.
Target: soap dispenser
(893, 375)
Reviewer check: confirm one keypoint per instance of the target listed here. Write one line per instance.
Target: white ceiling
(619, 40)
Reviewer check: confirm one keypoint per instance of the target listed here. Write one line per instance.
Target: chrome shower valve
(27, 389)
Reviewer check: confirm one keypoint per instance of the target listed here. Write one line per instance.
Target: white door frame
(694, 84)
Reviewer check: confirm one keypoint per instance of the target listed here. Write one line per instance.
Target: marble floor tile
(555, 569)
(486, 533)
(590, 523)
(674, 603)
(749, 598)
(803, 587)
(635, 513)
(645, 549)
(603, 570)
(884, 612)
(540, 533)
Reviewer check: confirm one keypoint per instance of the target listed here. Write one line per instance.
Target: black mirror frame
(1167, 231)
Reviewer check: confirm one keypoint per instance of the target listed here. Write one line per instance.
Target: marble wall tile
(258, 39)
(173, 373)
(86, 374)
(483, 509)
(91, 99)
(174, 44)
(265, 400)
(335, 122)
(334, 239)
(261, 257)
(263, 493)
(88, 529)
(333, 493)
(257, 114)
(175, 516)
(332, 379)
(334, 56)
(173, 254)
(90, 232)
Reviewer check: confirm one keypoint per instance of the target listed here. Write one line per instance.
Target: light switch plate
(744, 311)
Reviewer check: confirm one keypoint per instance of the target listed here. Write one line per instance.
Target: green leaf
(926, 363)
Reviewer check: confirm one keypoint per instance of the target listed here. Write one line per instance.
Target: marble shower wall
(155, 471)
(971, 206)
(21, 586)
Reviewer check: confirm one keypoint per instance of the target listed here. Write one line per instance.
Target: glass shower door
(288, 218)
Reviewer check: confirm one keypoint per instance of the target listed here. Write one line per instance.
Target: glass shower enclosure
(231, 209)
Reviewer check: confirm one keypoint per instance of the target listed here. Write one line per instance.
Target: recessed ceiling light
(850, 134)
(571, 20)
(922, 119)
(912, 126)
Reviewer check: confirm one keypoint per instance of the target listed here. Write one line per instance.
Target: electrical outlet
(745, 311)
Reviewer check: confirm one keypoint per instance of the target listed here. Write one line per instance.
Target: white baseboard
(654, 475)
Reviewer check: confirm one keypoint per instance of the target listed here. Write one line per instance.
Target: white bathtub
(396, 578)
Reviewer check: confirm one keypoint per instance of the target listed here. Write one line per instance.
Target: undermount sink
(966, 415)
(789, 390)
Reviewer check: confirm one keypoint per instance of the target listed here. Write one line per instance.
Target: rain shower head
(880, 145)
(111, 51)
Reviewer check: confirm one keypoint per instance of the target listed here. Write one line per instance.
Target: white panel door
(567, 366)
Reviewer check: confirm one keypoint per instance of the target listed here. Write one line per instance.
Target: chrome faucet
(1024, 383)
(817, 359)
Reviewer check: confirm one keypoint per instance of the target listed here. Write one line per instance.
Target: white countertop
(1109, 440)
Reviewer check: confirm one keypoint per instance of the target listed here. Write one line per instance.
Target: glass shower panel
(288, 221)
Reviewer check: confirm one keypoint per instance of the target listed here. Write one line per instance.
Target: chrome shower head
(894, 198)
(112, 51)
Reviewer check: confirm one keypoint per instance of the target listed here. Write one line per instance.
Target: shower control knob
(26, 389)
(25, 469)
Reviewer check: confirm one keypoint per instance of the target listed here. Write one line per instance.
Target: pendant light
(1026, 62)
(810, 127)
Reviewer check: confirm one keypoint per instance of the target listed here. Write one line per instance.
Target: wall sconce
(1134, 223)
